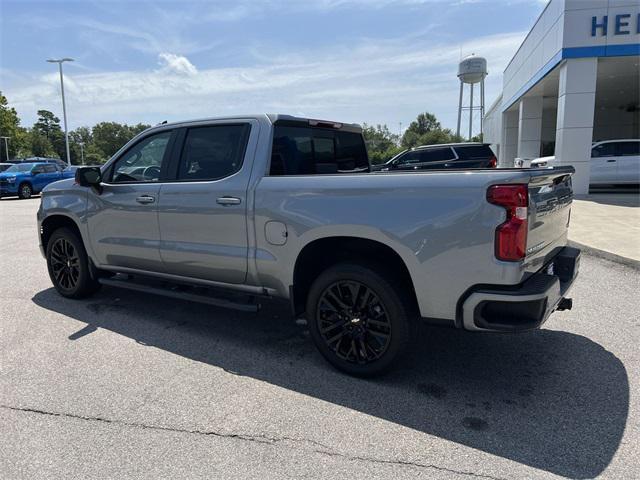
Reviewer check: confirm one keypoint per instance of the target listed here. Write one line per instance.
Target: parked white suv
(613, 162)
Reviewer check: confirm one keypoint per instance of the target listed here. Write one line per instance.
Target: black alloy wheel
(68, 265)
(65, 263)
(353, 322)
(359, 317)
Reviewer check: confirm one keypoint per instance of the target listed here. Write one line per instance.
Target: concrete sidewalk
(609, 224)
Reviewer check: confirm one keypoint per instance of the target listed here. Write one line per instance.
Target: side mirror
(89, 176)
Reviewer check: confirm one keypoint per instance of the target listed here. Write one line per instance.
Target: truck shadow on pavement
(552, 400)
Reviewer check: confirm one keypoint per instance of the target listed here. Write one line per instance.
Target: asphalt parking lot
(128, 385)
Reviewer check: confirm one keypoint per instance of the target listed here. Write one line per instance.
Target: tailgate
(550, 197)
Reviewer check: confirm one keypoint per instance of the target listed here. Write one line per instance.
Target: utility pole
(64, 107)
(81, 152)
(6, 146)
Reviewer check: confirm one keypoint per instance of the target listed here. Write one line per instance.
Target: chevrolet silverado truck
(22, 180)
(228, 211)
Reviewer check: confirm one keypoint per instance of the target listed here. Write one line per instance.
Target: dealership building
(574, 80)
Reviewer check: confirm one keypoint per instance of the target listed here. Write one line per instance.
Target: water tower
(471, 70)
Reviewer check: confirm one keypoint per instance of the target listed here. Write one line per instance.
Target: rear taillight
(493, 162)
(511, 236)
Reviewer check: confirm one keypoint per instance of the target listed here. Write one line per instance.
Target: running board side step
(245, 303)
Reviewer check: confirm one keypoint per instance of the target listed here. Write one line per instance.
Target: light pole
(6, 146)
(81, 152)
(64, 107)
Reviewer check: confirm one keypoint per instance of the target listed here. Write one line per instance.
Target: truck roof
(273, 118)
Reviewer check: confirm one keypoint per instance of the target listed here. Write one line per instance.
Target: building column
(509, 139)
(529, 127)
(576, 106)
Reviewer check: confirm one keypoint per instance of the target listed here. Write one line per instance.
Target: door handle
(228, 201)
(145, 199)
(611, 161)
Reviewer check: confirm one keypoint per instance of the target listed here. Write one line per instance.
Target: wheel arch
(54, 222)
(322, 253)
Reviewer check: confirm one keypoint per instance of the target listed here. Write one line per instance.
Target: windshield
(19, 167)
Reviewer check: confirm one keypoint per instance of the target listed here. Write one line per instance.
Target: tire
(371, 336)
(25, 191)
(68, 265)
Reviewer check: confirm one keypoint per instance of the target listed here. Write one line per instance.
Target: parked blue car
(25, 179)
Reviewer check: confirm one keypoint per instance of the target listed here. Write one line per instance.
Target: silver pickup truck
(231, 210)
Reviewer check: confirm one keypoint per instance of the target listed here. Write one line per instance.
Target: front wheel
(358, 320)
(25, 191)
(68, 265)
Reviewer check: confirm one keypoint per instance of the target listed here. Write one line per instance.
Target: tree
(48, 126)
(9, 127)
(426, 130)
(381, 143)
(81, 135)
(93, 155)
(109, 137)
(424, 123)
(39, 144)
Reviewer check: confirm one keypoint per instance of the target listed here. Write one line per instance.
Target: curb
(612, 257)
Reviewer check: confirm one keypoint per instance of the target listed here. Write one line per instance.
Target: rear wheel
(25, 191)
(68, 265)
(358, 320)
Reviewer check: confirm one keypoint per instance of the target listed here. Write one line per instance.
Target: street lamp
(64, 107)
(6, 146)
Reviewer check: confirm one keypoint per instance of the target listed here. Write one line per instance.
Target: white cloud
(172, 63)
(373, 81)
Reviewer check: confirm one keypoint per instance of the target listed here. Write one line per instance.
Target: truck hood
(59, 185)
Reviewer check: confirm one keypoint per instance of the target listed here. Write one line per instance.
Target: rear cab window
(308, 150)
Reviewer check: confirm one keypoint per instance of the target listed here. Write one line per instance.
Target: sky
(373, 61)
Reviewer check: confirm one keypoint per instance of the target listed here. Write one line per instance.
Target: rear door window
(312, 151)
(627, 149)
(436, 154)
(475, 152)
(50, 168)
(213, 152)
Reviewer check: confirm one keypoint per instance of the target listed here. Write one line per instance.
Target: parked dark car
(443, 156)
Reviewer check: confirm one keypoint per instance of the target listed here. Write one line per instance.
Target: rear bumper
(525, 306)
